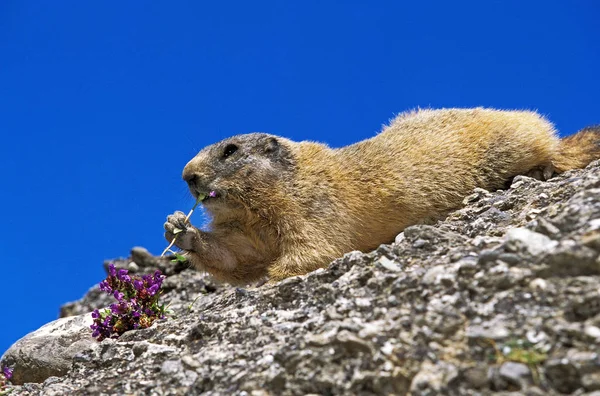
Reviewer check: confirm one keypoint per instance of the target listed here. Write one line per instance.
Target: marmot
(281, 208)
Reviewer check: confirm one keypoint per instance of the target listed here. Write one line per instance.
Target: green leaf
(179, 258)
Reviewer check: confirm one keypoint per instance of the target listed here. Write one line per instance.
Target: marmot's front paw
(176, 227)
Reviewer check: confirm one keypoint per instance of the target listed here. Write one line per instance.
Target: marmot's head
(238, 169)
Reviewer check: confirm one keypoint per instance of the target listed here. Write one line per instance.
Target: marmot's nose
(190, 178)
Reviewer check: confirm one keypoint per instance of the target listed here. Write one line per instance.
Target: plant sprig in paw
(179, 257)
(136, 307)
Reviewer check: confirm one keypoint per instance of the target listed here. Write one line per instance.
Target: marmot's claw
(177, 227)
(178, 220)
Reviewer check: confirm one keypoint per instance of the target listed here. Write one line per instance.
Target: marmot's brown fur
(281, 208)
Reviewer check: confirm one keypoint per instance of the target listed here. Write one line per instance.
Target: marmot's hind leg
(543, 172)
(292, 265)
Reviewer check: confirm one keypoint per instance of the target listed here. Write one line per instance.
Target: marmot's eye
(229, 149)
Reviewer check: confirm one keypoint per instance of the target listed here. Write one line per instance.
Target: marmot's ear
(271, 145)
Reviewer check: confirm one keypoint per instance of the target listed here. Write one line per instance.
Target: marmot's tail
(578, 150)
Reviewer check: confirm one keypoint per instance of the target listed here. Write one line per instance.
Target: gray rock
(49, 351)
(571, 258)
(142, 257)
(434, 275)
(510, 258)
(517, 374)
(531, 241)
(493, 330)
(583, 307)
(502, 295)
(476, 377)
(433, 378)
(563, 375)
(543, 226)
(389, 264)
(488, 256)
(591, 382)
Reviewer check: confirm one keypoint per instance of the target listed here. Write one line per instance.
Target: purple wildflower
(212, 194)
(102, 329)
(153, 289)
(122, 275)
(8, 373)
(118, 295)
(158, 277)
(138, 284)
(136, 307)
(117, 308)
(105, 287)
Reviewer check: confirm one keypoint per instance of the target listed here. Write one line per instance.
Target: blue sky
(101, 105)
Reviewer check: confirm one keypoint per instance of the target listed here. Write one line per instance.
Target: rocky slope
(504, 295)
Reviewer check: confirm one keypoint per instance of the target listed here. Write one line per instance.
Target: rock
(501, 295)
(429, 235)
(352, 343)
(476, 377)
(583, 307)
(563, 375)
(516, 374)
(571, 258)
(142, 257)
(543, 226)
(49, 351)
(433, 378)
(478, 193)
(531, 241)
(434, 275)
(389, 264)
(591, 382)
(592, 332)
(487, 256)
(510, 258)
(538, 283)
(493, 330)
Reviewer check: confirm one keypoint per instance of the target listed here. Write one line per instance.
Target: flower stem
(193, 302)
(187, 219)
